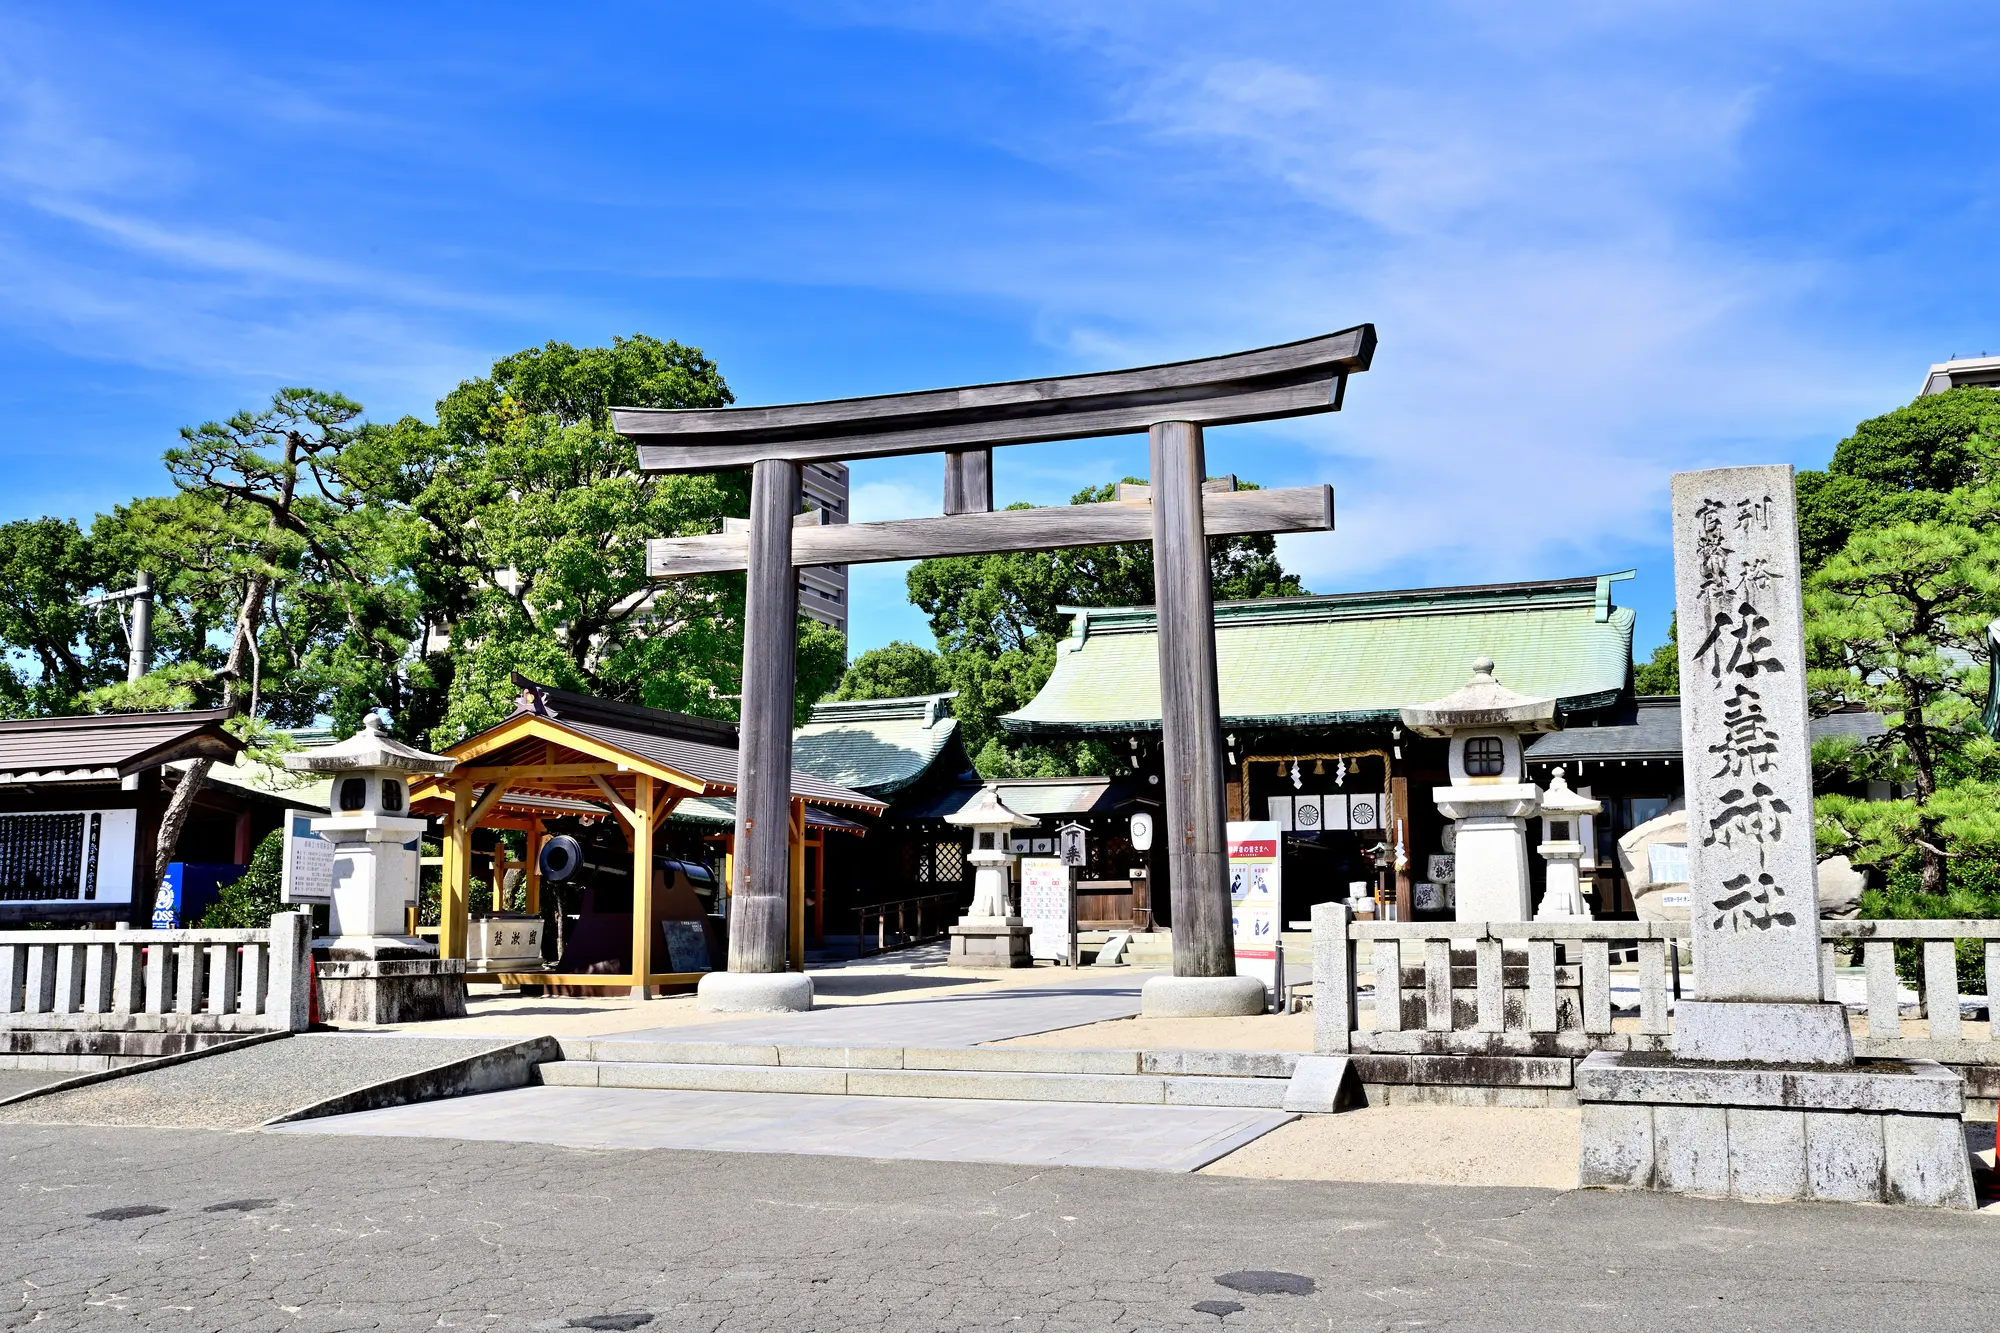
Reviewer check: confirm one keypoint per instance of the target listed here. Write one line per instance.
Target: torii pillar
(1196, 835)
(760, 896)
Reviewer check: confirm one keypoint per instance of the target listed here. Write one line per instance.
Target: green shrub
(251, 902)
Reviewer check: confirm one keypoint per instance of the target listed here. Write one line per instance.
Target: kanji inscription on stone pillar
(1754, 904)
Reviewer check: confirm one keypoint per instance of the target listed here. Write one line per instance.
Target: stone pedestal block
(1203, 997)
(1763, 1031)
(1880, 1131)
(990, 944)
(387, 980)
(754, 992)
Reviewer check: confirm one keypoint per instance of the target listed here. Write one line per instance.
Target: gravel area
(244, 1088)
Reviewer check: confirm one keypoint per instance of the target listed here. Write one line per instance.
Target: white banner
(1045, 907)
(308, 863)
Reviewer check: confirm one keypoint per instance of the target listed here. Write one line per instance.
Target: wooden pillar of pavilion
(642, 886)
(1190, 707)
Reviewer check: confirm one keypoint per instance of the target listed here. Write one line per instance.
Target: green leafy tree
(58, 649)
(1932, 460)
(1661, 673)
(1895, 623)
(530, 547)
(897, 670)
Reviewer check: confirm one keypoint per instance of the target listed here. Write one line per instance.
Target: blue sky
(1601, 242)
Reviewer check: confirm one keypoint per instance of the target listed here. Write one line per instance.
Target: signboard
(1046, 906)
(1142, 832)
(687, 946)
(308, 864)
(1255, 868)
(1075, 849)
(1667, 862)
(68, 856)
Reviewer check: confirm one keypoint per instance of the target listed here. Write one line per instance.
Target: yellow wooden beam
(455, 891)
(642, 884)
(486, 803)
(625, 812)
(796, 912)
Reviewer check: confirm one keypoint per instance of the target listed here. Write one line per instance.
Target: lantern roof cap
(369, 749)
(1481, 702)
(987, 810)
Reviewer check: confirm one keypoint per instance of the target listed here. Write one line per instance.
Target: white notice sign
(1045, 907)
(308, 872)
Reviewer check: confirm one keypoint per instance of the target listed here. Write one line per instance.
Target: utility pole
(139, 648)
(139, 627)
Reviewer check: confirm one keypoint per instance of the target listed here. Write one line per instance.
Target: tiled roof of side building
(110, 746)
(1351, 658)
(879, 746)
(1654, 732)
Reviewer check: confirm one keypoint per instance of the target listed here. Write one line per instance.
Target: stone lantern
(1489, 800)
(370, 971)
(989, 935)
(1562, 849)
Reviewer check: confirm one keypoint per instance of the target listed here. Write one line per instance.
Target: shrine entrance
(1178, 512)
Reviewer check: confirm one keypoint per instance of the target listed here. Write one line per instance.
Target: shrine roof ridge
(1320, 608)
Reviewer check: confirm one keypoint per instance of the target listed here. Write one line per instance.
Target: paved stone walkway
(1144, 1138)
(934, 1020)
(180, 1231)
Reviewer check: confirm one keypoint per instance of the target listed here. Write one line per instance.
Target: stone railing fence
(154, 981)
(1515, 1004)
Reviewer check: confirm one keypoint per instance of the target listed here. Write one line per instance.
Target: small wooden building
(566, 754)
(80, 805)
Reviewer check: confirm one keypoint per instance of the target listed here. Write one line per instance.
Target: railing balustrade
(917, 921)
(1538, 988)
(158, 980)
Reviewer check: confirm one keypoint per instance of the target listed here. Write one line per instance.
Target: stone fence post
(290, 1004)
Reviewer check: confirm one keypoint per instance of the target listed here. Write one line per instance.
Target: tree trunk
(179, 807)
(234, 698)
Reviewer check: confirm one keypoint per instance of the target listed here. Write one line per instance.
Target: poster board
(1046, 907)
(1255, 894)
(68, 856)
(308, 865)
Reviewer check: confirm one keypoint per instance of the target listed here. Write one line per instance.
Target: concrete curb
(497, 1070)
(158, 1062)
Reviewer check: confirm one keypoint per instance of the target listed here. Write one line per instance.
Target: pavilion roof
(107, 747)
(1345, 659)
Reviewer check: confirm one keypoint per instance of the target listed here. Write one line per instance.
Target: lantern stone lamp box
(1563, 812)
(1489, 800)
(989, 934)
(369, 970)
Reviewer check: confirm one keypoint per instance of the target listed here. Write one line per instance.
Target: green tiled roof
(1353, 658)
(877, 746)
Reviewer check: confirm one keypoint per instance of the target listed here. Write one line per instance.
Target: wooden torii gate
(1172, 403)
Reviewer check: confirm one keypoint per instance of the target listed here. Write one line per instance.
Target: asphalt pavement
(177, 1229)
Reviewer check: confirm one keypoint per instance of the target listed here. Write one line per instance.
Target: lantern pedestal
(990, 944)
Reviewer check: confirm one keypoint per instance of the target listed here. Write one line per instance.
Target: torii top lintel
(1288, 380)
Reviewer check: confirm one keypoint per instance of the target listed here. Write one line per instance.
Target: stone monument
(1761, 1097)
(1489, 800)
(989, 934)
(1561, 851)
(369, 970)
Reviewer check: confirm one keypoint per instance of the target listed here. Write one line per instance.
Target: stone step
(967, 1084)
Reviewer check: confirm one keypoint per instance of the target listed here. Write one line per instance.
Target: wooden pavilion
(562, 752)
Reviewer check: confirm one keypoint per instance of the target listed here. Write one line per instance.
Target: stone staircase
(1156, 1078)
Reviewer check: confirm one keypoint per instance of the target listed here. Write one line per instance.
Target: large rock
(1840, 886)
(1636, 859)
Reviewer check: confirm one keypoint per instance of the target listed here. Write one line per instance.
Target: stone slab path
(933, 1020)
(1143, 1138)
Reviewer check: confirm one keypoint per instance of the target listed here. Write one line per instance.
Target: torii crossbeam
(1172, 403)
